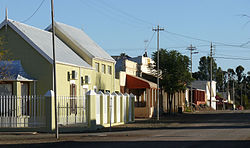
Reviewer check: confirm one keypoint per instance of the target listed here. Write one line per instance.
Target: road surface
(191, 130)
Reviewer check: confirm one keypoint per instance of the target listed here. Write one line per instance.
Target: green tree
(220, 79)
(204, 69)
(175, 73)
(239, 72)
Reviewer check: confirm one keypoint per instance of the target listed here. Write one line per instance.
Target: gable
(83, 42)
(41, 41)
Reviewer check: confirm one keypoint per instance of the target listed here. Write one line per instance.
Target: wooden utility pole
(241, 100)
(54, 65)
(211, 72)
(191, 49)
(233, 97)
(158, 29)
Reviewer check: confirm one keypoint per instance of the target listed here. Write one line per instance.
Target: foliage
(175, 73)
(4, 56)
(239, 72)
(204, 69)
(175, 70)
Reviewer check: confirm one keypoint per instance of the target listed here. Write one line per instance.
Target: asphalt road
(191, 130)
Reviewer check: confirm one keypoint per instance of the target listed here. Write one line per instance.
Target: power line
(216, 42)
(230, 58)
(111, 13)
(150, 40)
(126, 14)
(34, 12)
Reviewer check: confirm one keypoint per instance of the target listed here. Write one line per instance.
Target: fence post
(114, 97)
(91, 103)
(109, 103)
(50, 110)
(121, 107)
(126, 97)
(101, 107)
(132, 107)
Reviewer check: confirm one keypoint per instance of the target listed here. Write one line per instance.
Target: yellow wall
(97, 79)
(104, 81)
(33, 63)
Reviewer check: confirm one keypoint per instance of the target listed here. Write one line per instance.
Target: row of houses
(82, 67)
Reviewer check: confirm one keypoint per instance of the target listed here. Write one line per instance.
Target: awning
(133, 82)
(13, 71)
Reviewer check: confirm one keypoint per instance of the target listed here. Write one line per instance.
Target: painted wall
(104, 81)
(33, 63)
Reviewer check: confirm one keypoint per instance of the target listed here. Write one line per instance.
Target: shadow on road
(231, 117)
(137, 144)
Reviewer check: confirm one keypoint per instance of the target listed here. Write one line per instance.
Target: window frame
(103, 68)
(97, 66)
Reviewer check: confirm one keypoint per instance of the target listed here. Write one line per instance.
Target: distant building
(205, 85)
(143, 65)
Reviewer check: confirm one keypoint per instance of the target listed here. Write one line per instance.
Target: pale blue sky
(123, 25)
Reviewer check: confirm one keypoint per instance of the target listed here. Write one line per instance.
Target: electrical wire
(34, 12)
(150, 40)
(216, 42)
(230, 58)
(108, 14)
(126, 14)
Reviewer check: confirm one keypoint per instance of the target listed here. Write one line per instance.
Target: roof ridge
(10, 20)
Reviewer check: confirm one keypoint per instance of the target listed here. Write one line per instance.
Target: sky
(124, 25)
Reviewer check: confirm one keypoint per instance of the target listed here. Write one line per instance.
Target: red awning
(133, 82)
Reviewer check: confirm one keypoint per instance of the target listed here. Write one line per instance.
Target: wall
(104, 81)
(33, 63)
(130, 67)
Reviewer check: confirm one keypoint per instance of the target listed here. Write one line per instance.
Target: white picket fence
(38, 112)
(22, 111)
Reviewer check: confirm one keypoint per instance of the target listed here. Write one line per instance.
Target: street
(199, 129)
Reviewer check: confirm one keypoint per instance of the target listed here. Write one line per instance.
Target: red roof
(133, 82)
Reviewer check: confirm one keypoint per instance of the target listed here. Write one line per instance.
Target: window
(103, 68)
(5, 89)
(97, 67)
(73, 101)
(109, 70)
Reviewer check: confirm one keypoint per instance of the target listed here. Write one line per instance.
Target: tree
(220, 79)
(4, 57)
(204, 69)
(239, 72)
(174, 72)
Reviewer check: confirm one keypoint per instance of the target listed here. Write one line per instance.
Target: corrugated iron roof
(85, 43)
(13, 71)
(41, 40)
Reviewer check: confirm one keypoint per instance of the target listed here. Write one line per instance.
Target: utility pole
(54, 65)
(228, 87)
(158, 29)
(241, 101)
(233, 97)
(191, 49)
(211, 73)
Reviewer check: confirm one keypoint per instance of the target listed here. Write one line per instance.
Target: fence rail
(22, 111)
